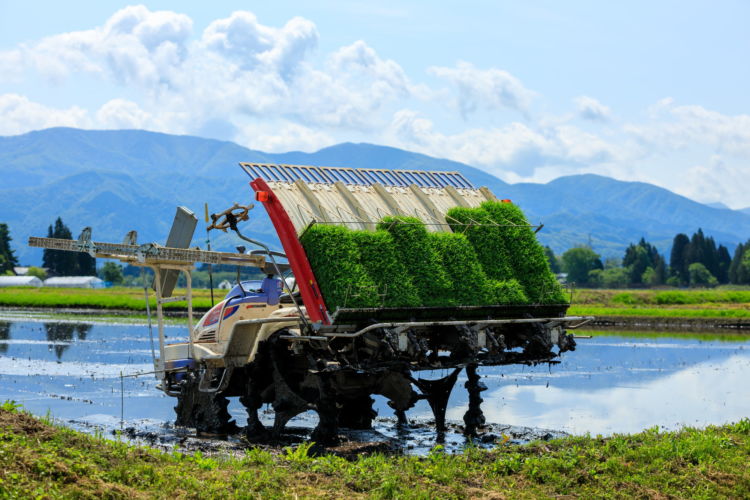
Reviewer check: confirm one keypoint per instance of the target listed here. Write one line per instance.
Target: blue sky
(529, 91)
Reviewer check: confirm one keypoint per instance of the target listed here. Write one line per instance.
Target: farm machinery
(284, 341)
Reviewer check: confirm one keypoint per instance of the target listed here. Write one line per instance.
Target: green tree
(111, 273)
(640, 257)
(700, 276)
(554, 265)
(38, 272)
(743, 273)
(578, 262)
(7, 257)
(723, 265)
(614, 277)
(678, 258)
(737, 274)
(62, 262)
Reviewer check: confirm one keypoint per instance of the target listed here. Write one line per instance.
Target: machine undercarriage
(336, 377)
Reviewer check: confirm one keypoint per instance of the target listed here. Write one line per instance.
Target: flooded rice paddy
(614, 382)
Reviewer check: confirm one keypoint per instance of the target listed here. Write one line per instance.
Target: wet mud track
(414, 438)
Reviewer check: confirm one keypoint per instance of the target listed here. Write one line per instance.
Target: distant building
(74, 282)
(20, 281)
(21, 270)
(225, 285)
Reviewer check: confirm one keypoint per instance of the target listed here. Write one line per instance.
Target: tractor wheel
(357, 413)
(205, 411)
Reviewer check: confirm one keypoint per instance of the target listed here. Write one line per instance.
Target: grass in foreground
(40, 460)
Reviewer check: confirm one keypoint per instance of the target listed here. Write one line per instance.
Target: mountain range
(118, 180)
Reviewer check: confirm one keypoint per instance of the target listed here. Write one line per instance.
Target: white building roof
(20, 281)
(74, 282)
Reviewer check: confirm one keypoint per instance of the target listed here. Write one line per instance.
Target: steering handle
(229, 218)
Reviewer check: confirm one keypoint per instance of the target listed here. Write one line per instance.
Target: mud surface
(622, 382)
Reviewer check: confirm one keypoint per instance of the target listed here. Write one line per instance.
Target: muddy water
(614, 382)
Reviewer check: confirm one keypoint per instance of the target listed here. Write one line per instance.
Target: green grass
(38, 460)
(714, 303)
(661, 297)
(109, 298)
(658, 312)
(705, 336)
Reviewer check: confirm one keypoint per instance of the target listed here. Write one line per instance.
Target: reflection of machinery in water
(269, 341)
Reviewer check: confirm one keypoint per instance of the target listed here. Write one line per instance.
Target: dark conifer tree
(696, 251)
(8, 258)
(64, 263)
(724, 260)
(640, 257)
(737, 272)
(678, 258)
(554, 265)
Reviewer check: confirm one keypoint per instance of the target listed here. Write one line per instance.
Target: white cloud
(485, 89)
(123, 114)
(676, 127)
(590, 109)
(241, 38)
(278, 138)
(135, 46)
(358, 61)
(11, 66)
(716, 180)
(22, 115)
(513, 149)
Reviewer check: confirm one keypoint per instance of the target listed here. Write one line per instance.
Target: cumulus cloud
(124, 114)
(22, 115)
(680, 127)
(135, 46)
(278, 138)
(515, 148)
(485, 89)
(241, 38)
(589, 108)
(716, 180)
(236, 68)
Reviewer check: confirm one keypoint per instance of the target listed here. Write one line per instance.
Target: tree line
(693, 261)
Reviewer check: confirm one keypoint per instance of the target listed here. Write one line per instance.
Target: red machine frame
(308, 286)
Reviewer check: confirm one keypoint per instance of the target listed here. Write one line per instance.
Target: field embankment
(38, 460)
(715, 308)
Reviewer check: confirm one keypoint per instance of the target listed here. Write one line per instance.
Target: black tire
(204, 411)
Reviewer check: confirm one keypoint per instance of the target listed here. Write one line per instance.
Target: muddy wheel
(205, 411)
(257, 383)
(357, 413)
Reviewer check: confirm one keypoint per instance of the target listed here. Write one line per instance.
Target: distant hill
(120, 180)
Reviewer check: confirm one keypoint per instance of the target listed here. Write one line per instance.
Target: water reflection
(4, 336)
(615, 382)
(699, 395)
(61, 335)
(625, 382)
